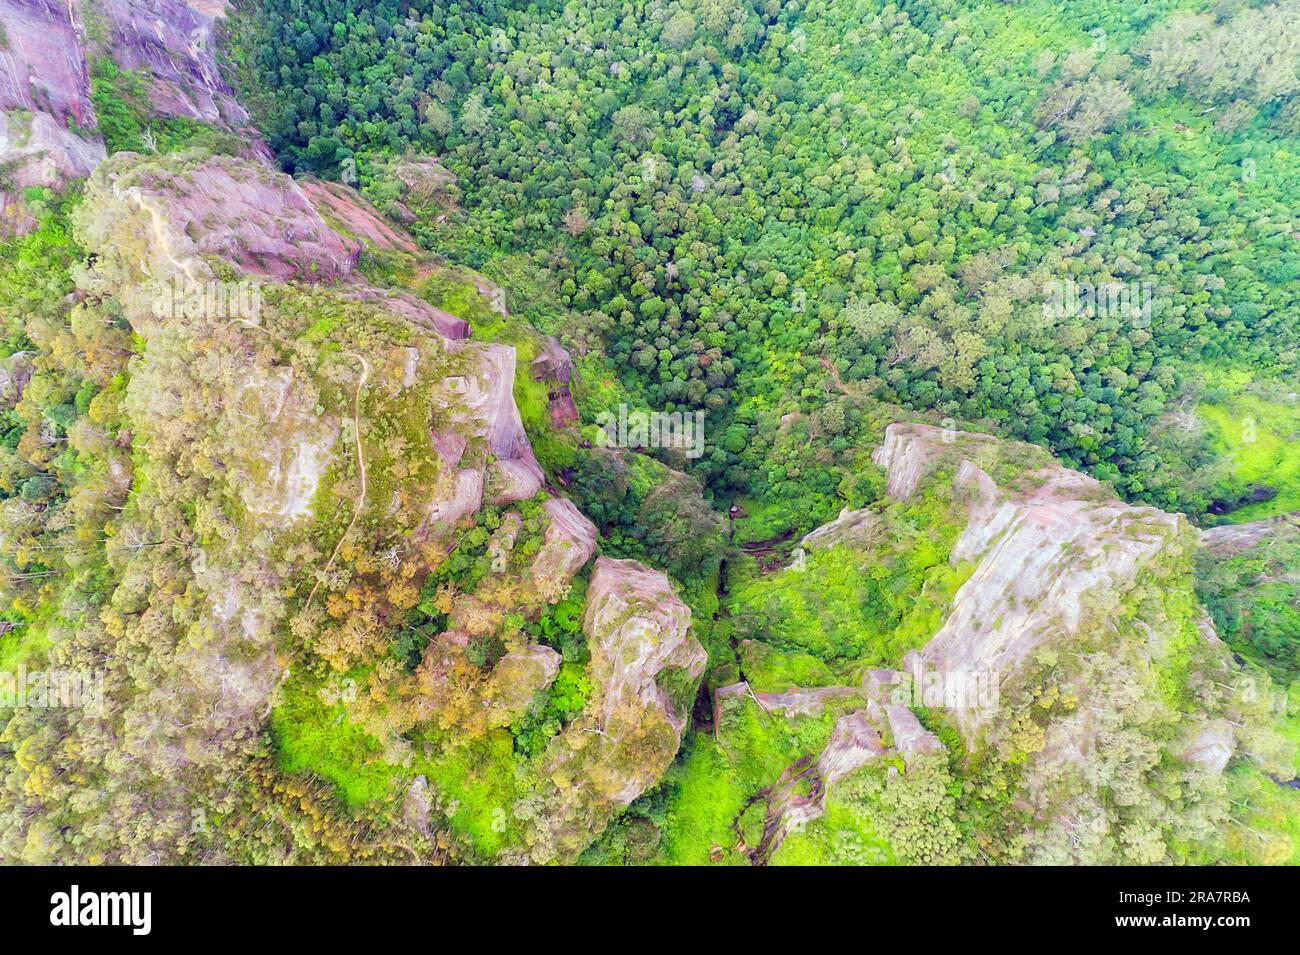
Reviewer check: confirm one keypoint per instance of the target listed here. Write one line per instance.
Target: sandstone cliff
(48, 126)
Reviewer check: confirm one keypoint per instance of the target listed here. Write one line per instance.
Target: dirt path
(361, 470)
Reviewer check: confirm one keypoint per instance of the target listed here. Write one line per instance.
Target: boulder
(645, 668)
(569, 543)
(554, 367)
(910, 737)
(855, 528)
(1230, 539)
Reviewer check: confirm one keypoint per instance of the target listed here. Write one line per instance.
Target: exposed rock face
(639, 630)
(44, 90)
(1229, 539)
(1078, 613)
(909, 450)
(278, 477)
(449, 685)
(481, 404)
(570, 542)
(645, 667)
(44, 65)
(173, 44)
(554, 366)
(172, 221)
(517, 677)
(350, 214)
(417, 310)
(47, 121)
(15, 372)
(1212, 746)
(796, 701)
(799, 796)
(257, 220)
(910, 737)
(1042, 550)
(160, 222)
(857, 528)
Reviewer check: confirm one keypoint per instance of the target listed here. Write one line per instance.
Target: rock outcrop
(181, 222)
(182, 211)
(48, 126)
(349, 214)
(1228, 539)
(645, 668)
(569, 543)
(858, 528)
(1043, 548)
(799, 796)
(46, 117)
(173, 44)
(1073, 650)
(175, 219)
(554, 367)
(871, 713)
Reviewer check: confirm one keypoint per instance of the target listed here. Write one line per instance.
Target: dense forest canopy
(765, 208)
(365, 576)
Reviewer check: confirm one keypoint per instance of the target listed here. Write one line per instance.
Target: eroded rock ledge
(645, 668)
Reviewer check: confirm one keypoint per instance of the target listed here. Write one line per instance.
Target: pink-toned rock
(645, 668)
(569, 543)
(351, 214)
(799, 795)
(516, 679)
(793, 702)
(47, 122)
(637, 628)
(458, 495)
(1229, 539)
(909, 450)
(910, 737)
(512, 480)
(1041, 548)
(480, 404)
(173, 44)
(176, 211)
(417, 310)
(43, 64)
(44, 95)
(554, 367)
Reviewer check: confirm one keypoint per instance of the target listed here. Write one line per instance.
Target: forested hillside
(737, 432)
(769, 208)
